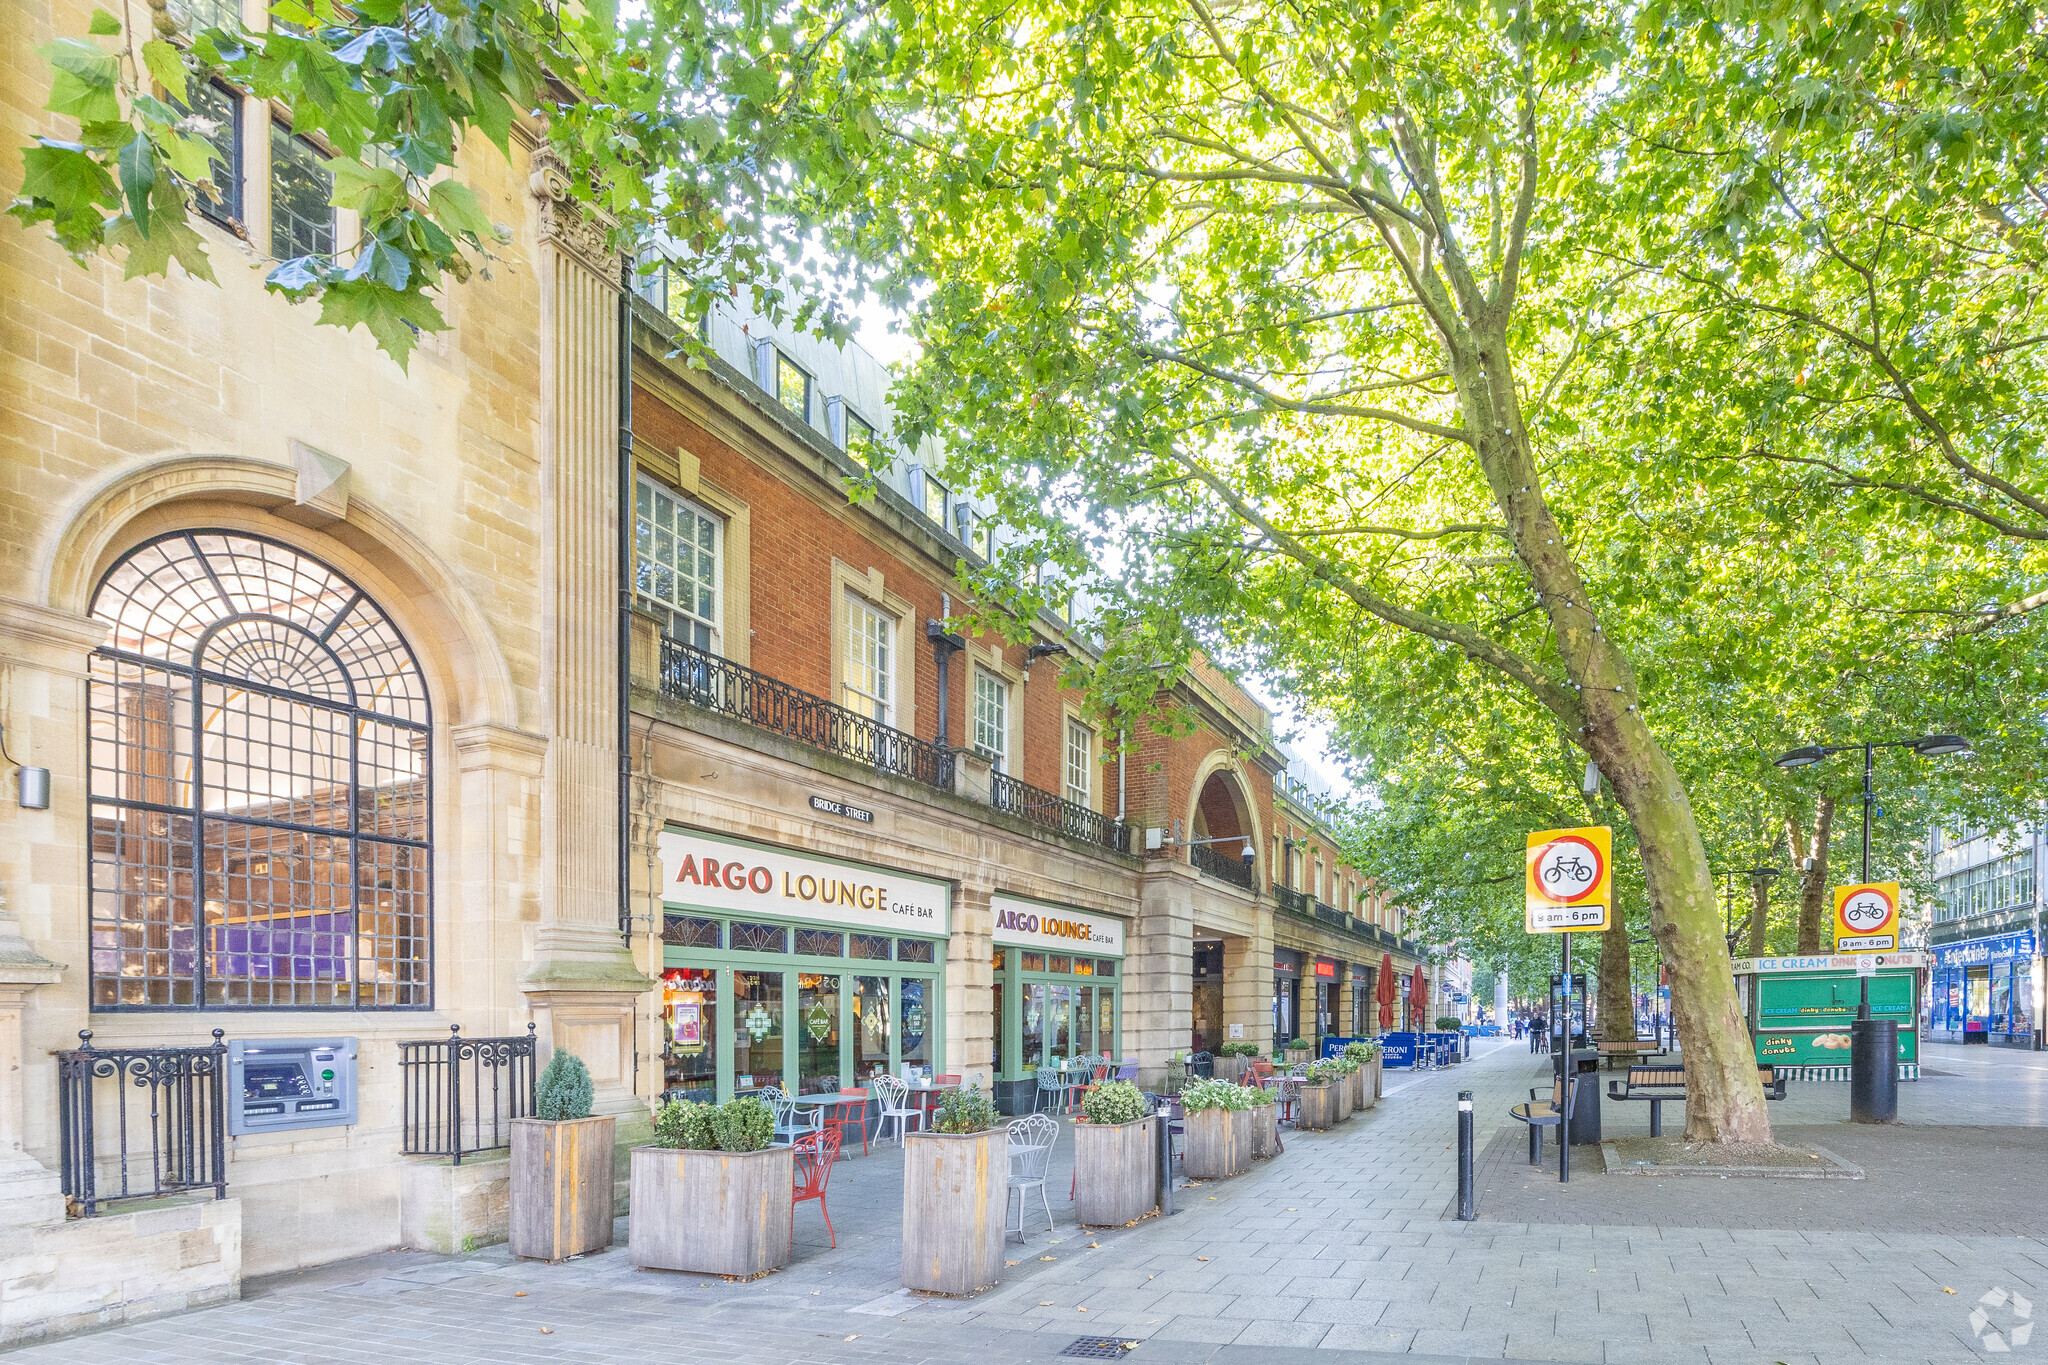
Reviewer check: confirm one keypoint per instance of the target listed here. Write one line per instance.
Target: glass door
(914, 994)
(757, 1036)
(690, 1034)
(873, 1031)
(1084, 1020)
(817, 1033)
(1033, 1040)
(1977, 1000)
(1059, 1024)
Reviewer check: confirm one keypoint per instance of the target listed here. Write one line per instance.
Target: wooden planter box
(562, 1186)
(1347, 1095)
(715, 1213)
(1231, 1069)
(1216, 1147)
(1379, 1079)
(1265, 1131)
(1316, 1109)
(955, 1191)
(1116, 1169)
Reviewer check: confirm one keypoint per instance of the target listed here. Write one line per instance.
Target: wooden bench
(1629, 1048)
(1540, 1114)
(1660, 1083)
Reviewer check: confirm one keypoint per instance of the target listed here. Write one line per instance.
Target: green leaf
(457, 206)
(371, 190)
(138, 179)
(67, 176)
(152, 255)
(103, 25)
(389, 314)
(83, 86)
(167, 64)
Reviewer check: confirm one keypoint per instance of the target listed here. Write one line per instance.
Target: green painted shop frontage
(1058, 991)
(782, 968)
(1800, 1008)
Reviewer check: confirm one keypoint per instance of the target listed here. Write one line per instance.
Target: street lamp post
(1874, 1084)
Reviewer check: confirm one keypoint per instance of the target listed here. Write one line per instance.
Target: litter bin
(1585, 1123)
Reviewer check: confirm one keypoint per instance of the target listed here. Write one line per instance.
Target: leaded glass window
(676, 577)
(260, 777)
(873, 947)
(301, 218)
(759, 938)
(820, 943)
(689, 931)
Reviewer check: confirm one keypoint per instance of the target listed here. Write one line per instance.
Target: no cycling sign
(1867, 917)
(1569, 875)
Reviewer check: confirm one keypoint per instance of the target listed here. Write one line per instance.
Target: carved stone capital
(578, 229)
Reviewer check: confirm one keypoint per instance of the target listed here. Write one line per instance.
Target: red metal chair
(814, 1154)
(845, 1115)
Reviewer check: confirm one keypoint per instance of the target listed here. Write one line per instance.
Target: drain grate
(1099, 1348)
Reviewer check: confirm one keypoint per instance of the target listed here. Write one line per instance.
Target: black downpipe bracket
(624, 521)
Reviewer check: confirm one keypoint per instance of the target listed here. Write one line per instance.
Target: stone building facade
(328, 666)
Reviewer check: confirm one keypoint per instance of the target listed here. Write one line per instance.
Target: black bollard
(1166, 1208)
(1466, 1210)
(1874, 1071)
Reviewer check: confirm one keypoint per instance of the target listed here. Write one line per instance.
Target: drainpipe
(944, 647)
(623, 533)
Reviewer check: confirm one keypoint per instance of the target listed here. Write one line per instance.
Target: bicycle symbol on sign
(1575, 870)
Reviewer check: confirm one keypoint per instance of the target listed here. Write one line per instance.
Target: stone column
(1248, 983)
(29, 1191)
(1159, 971)
(970, 981)
(583, 984)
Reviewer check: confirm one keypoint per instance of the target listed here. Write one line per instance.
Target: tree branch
(1266, 395)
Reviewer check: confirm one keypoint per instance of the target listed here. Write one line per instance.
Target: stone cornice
(47, 637)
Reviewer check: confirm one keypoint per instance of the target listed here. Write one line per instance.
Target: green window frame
(1023, 985)
(803, 933)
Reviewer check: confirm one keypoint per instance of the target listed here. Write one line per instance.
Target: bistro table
(837, 1116)
(925, 1095)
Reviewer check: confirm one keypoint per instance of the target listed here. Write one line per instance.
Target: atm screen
(271, 1081)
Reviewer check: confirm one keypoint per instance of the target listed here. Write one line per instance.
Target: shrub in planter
(1265, 1123)
(562, 1164)
(1231, 1059)
(1219, 1129)
(1448, 1023)
(1317, 1106)
(1116, 1157)
(1346, 1081)
(955, 1188)
(710, 1195)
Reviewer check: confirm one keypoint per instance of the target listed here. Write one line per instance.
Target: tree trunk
(1811, 851)
(1617, 999)
(1759, 913)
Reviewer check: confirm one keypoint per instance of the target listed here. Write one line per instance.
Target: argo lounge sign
(714, 873)
(1059, 928)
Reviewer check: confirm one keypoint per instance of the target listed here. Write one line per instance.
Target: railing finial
(85, 1039)
(454, 1032)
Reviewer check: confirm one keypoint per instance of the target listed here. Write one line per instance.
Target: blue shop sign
(2003, 948)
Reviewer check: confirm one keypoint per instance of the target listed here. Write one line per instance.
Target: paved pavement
(1338, 1250)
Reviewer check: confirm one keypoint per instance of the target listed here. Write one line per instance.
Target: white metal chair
(790, 1121)
(893, 1093)
(1030, 1146)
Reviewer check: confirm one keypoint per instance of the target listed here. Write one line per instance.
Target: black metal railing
(1223, 866)
(165, 1110)
(461, 1094)
(1056, 813)
(703, 679)
(1287, 898)
(1330, 914)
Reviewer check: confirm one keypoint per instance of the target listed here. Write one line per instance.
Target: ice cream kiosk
(1800, 1008)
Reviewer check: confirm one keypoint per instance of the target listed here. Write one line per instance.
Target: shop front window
(915, 1017)
(999, 1018)
(1977, 1007)
(817, 1042)
(871, 1029)
(1034, 1023)
(1105, 1020)
(757, 1029)
(2001, 996)
(2023, 997)
(1084, 1019)
(690, 1026)
(1059, 1023)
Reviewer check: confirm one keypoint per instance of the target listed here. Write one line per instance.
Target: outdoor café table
(925, 1095)
(841, 1113)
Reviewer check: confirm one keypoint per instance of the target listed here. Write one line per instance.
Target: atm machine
(279, 1083)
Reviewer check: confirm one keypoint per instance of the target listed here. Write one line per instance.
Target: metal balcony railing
(703, 679)
(1287, 898)
(159, 1112)
(460, 1094)
(1056, 813)
(1222, 866)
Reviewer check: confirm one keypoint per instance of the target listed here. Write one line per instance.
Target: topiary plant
(1447, 1023)
(563, 1090)
(1238, 1050)
(964, 1111)
(742, 1124)
(1114, 1102)
(1298, 1045)
(679, 1123)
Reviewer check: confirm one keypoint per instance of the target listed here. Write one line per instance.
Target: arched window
(260, 781)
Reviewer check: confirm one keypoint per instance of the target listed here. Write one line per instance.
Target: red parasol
(1383, 990)
(1418, 998)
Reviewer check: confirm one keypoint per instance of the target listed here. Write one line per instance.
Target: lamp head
(1940, 746)
(1804, 757)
